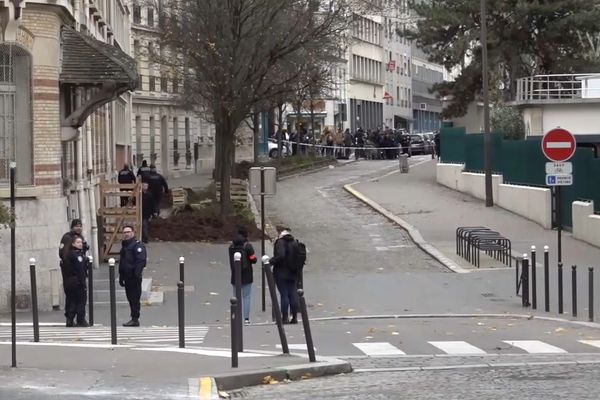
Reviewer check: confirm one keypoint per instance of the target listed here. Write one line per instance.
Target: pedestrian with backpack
(289, 256)
(241, 244)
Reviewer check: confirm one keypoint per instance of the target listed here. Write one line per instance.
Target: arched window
(15, 113)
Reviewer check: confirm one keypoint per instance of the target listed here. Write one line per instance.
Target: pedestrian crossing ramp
(146, 336)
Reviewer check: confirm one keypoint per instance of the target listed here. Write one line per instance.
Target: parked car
(274, 150)
(419, 144)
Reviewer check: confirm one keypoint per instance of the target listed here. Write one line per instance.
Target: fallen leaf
(348, 332)
(371, 330)
(559, 329)
(214, 294)
(368, 337)
(395, 333)
(224, 395)
(308, 375)
(269, 380)
(207, 303)
(351, 310)
(319, 305)
(480, 324)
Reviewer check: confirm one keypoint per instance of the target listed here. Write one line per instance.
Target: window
(150, 16)
(138, 139)
(163, 84)
(136, 49)
(152, 83)
(15, 113)
(188, 142)
(137, 14)
(152, 140)
(175, 85)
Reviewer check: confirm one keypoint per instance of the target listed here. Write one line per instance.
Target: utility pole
(487, 136)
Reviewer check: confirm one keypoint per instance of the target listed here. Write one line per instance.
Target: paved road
(543, 381)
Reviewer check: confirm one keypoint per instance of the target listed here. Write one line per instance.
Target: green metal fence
(522, 162)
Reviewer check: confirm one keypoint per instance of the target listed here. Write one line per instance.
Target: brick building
(65, 77)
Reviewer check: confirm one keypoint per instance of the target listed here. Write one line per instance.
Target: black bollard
(518, 277)
(525, 282)
(560, 288)
(234, 339)
(533, 279)
(90, 272)
(113, 301)
(591, 293)
(275, 304)
(237, 270)
(181, 313)
(574, 288)
(34, 302)
(546, 279)
(181, 269)
(306, 324)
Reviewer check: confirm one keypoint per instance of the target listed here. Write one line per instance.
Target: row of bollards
(523, 282)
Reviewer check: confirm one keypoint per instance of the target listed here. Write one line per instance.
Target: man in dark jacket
(285, 279)
(144, 171)
(67, 239)
(125, 176)
(241, 244)
(148, 208)
(157, 185)
(132, 262)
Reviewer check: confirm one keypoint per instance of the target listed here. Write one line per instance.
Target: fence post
(547, 279)
(275, 304)
(517, 277)
(90, 272)
(34, 302)
(574, 288)
(113, 301)
(181, 313)
(560, 288)
(237, 270)
(306, 324)
(525, 282)
(234, 340)
(533, 279)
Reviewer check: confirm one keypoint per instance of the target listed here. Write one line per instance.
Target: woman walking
(241, 244)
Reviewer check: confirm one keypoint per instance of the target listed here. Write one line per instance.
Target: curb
(312, 171)
(413, 232)
(323, 367)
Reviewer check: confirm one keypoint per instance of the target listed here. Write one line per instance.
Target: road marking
(56, 344)
(206, 388)
(379, 349)
(535, 346)
(457, 347)
(595, 343)
(381, 248)
(296, 346)
(202, 352)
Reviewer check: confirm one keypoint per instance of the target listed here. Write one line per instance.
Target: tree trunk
(255, 123)
(312, 124)
(279, 130)
(226, 132)
(298, 132)
(218, 154)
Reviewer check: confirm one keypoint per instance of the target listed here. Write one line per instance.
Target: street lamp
(487, 138)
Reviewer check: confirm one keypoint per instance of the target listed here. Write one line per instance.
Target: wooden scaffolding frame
(114, 216)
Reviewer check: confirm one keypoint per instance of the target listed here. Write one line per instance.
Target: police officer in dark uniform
(74, 273)
(144, 171)
(132, 262)
(157, 186)
(67, 239)
(125, 176)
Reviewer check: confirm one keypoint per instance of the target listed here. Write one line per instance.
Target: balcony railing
(558, 87)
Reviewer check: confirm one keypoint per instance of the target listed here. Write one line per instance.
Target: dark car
(419, 144)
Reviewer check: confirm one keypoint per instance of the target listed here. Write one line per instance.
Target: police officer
(67, 239)
(125, 176)
(74, 273)
(144, 171)
(131, 264)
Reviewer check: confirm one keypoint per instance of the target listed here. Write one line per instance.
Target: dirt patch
(202, 225)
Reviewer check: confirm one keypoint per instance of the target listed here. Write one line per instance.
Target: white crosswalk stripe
(457, 348)
(379, 349)
(143, 335)
(594, 343)
(535, 346)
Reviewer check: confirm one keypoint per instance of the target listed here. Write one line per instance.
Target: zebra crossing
(459, 348)
(145, 335)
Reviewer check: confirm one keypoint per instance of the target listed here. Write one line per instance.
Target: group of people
(286, 271)
(74, 268)
(154, 185)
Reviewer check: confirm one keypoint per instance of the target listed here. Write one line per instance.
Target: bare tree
(228, 52)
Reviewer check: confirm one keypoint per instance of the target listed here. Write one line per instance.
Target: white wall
(529, 202)
(586, 225)
(582, 118)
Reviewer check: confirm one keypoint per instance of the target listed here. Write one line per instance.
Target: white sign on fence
(270, 180)
(554, 168)
(559, 180)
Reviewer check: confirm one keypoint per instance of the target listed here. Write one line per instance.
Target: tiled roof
(87, 61)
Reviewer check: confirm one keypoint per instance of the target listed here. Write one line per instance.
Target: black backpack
(297, 256)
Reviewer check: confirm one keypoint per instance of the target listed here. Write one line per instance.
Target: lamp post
(487, 138)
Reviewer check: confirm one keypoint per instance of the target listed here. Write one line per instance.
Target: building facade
(426, 106)
(64, 103)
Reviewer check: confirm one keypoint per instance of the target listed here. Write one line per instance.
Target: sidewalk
(436, 211)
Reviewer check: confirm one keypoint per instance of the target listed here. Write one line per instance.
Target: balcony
(558, 89)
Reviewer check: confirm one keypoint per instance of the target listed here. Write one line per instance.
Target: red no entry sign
(558, 145)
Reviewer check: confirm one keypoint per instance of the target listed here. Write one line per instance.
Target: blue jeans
(289, 296)
(246, 296)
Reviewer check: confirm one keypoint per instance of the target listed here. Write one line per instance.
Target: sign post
(263, 181)
(559, 145)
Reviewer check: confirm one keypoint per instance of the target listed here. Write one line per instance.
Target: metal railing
(558, 87)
